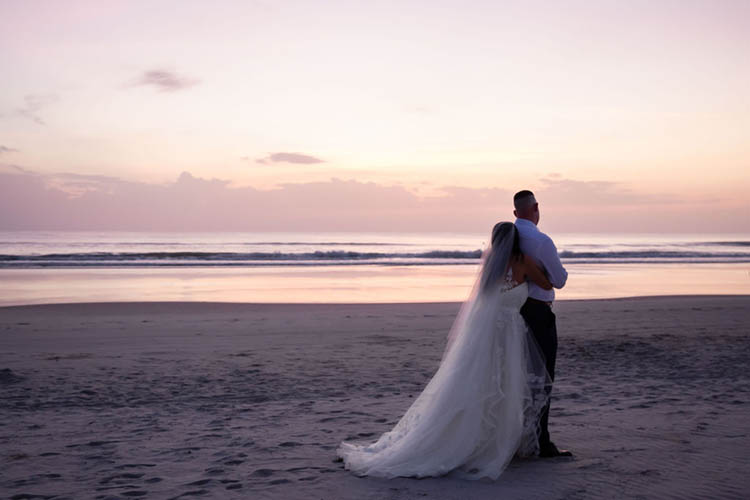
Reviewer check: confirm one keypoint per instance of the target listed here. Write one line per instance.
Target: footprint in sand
(279, 481)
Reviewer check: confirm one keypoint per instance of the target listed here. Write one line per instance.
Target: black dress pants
(541, 321)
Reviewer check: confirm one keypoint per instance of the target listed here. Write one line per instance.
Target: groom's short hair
(523, 199)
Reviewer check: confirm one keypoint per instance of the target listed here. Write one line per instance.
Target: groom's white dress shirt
(541, 248)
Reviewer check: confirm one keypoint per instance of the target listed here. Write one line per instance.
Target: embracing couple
(490, 397)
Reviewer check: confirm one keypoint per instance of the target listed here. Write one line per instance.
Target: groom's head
(526, 206)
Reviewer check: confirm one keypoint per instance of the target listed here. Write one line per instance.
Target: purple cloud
(563, 191)
(165, 81)
(68, 201)
(288, 158)
(74, 201)
(5, 149)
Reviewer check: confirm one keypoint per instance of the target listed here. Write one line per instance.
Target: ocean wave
(219, 243)
(345, 257)
(651, 254)
(727, 243)
(337, 255)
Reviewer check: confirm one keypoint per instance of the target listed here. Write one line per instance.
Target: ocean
(55, 266)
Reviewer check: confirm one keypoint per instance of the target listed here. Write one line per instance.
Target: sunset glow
(411, 116)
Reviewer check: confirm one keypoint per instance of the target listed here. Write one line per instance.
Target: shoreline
(349, 284)
(631, 297)
(252, 305)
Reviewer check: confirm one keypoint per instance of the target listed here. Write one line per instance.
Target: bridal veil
(482, 405)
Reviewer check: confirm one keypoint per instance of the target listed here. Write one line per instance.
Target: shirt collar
(527, 223)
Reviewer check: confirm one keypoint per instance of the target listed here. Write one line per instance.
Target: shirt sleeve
(556, 273)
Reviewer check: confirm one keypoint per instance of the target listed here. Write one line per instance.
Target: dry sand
(162, 400)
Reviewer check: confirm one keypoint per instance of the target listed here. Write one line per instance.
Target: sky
(406, 116)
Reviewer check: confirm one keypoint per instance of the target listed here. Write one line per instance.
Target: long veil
(482, 405)
(486, 289)
(480, 311)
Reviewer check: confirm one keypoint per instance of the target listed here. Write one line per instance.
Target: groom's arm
(556, 273)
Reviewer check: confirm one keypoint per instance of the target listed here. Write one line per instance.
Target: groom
(537, 311)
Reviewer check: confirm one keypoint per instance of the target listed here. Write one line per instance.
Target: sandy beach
(222, 400)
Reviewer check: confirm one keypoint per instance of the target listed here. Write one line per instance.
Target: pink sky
(622, 116)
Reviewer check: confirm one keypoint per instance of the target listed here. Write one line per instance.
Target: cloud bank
(90, 202)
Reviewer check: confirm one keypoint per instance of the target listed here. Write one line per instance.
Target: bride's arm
(535, 273)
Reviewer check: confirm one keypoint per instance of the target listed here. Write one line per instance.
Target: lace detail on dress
(508, 281)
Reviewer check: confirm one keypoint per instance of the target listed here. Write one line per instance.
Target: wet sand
(218, 400)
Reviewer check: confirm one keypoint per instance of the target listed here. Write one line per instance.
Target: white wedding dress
(480, 408)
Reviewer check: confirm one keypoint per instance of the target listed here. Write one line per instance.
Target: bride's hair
(504, 246)
(500, 232)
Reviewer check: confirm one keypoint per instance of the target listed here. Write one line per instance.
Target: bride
(482, 406)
